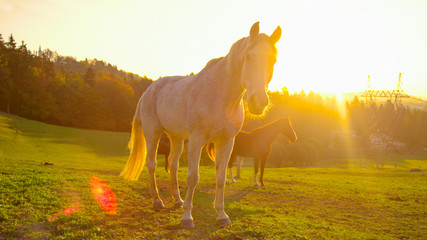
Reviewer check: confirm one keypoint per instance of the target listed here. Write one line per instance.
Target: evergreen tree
(6, 82)
(89, 77)
(11, 44)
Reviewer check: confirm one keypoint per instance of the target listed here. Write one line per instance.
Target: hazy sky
(326, 46)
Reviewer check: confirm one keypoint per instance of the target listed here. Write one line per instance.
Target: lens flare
(69, 210)
(104, 195)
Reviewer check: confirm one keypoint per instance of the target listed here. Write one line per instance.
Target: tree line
(60, 90)
(392, 121)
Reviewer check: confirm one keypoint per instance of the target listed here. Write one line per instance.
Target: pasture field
(45, 193)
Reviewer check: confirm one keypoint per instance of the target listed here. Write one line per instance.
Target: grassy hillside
(45, 193)
(36, 142)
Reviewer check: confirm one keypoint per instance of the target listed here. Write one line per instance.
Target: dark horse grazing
(257, 144)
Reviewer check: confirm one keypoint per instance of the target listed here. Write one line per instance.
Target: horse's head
(288, 130)
(257, 67)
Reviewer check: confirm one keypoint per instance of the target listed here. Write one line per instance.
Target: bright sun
(317, 84)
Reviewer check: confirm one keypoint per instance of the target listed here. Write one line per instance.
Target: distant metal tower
(380, 132)
(395, 95)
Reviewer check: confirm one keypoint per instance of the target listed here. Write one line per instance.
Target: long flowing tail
(138, 151)
(210, 150)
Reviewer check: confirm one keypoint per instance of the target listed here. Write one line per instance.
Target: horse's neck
(226, 84)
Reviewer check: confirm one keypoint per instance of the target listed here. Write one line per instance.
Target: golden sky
(326, 46)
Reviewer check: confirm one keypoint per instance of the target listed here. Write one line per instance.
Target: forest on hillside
(60, 90)
(93, 94)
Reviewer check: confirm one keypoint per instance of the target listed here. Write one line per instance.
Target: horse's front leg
(261, 174)
(175, 152)
(239, 165)
(194, 149)
(256, 165)
(223, 151)
(230, 175)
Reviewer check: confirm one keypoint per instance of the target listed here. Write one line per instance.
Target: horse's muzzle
(257, 107)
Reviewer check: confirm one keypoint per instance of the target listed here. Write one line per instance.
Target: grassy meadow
(46, 169)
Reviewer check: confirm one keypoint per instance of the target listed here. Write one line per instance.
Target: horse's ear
(254, 30)
(276, 34)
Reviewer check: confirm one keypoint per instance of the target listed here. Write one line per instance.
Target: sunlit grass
(55, 200)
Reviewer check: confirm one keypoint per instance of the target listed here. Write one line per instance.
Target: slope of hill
(39, 143)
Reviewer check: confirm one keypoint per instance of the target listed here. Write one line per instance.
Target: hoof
(232, 181)
(158, 204)
(187, 224)
(263, 185)
(178, 204)
(223, 222)
(256, 185)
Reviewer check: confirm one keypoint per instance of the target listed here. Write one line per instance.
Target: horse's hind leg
(152, 142)
(175, 152)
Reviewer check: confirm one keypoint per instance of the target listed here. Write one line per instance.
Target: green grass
(46, 169)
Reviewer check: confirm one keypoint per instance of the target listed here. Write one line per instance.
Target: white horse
(206, 107)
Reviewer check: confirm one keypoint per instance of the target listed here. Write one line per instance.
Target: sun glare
(293, 84)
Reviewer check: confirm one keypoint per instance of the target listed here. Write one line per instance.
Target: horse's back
(188, 105)
(164, 104)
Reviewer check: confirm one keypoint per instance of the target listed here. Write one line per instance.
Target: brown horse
(257, 144)
(164, 149)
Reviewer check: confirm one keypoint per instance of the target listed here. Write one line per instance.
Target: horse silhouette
(257, 144)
